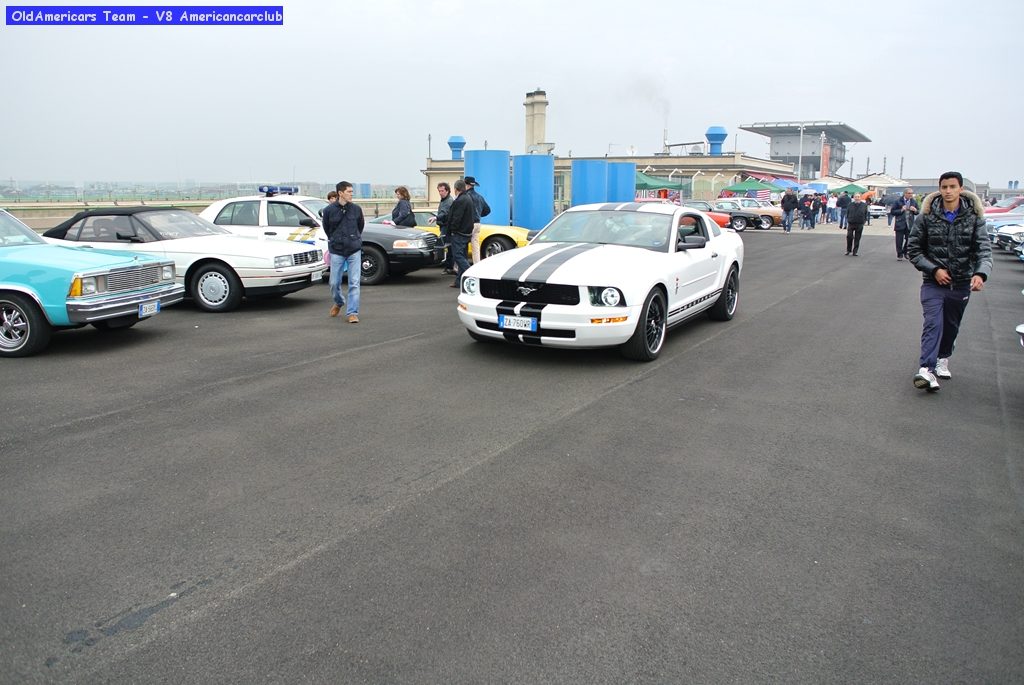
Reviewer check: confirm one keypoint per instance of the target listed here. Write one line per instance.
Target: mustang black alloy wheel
(725, 306)
(649, 337)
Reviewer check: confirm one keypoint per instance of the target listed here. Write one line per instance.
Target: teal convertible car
(46, 287)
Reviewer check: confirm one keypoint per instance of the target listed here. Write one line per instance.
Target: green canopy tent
(751, 184)
(850, 188)
(645, 182)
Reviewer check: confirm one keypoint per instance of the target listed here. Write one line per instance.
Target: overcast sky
(351, 90)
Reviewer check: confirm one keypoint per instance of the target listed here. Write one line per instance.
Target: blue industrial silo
(456, 143)
(490, 168)
(533, 190)
(621, 181)
(589, 181)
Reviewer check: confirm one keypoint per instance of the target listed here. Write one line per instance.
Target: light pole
(693, 187)
(713, 179)
(800, 155)
(821, 157)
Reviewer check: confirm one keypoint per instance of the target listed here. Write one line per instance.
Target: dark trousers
(853, 233)
(943, 309)
(901, 242)
(460, 245)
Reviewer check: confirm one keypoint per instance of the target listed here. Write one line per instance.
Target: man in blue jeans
(343, 224)
(950, 246)
(789, 204)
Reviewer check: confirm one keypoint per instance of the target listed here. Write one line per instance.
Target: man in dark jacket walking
(445, 206)
(460, 227)
(789, 204)
(949, 246)
(902, 214)
(343, 224)
(843, 204)
(856, 216)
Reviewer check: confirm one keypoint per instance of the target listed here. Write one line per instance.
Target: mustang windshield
(610, 227)
(177, 223)
(13, 232)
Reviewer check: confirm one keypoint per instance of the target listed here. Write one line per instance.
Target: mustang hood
(565, 263)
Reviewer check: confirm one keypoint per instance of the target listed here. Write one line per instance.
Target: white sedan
(606, 275)
(216, 267)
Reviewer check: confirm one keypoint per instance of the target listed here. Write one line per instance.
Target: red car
(1005, 205)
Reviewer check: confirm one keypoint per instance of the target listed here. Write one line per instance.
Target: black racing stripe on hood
(543, 272)
(520, 267)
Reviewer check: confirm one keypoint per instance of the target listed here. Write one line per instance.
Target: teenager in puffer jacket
(950, 247)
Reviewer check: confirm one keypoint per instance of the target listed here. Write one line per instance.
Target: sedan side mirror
(691, 242)
(308, 223)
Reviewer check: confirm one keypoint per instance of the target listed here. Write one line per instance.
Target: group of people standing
(458, 218)
(814, 208)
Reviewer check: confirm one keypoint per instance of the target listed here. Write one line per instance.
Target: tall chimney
(536, 116)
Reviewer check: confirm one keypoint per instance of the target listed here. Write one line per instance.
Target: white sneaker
(926, 380)
(942, 368)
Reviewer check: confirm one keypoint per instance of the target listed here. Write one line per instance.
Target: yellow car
(493, 239)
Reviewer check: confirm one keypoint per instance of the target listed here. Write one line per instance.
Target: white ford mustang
(606, 275)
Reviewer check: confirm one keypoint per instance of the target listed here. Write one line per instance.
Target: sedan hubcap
(213, 288)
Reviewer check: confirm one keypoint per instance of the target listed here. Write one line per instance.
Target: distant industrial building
(814, 148)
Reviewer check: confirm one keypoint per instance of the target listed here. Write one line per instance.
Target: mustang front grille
(305, 257)
(525, 291)
(131, 279)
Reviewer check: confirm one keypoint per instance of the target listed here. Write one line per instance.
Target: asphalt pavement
(272, 495)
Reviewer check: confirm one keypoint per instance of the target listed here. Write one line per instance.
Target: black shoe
(855, 254)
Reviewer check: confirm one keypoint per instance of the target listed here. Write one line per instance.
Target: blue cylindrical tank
(589, 181)
(490, 168)
(621, 181)
(716, 135)
(533, 190)
(456, 143)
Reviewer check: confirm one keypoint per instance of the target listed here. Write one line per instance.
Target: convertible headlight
(167, 273)
(606, 297)
(414, 244)
(470, 285)
(1018, 237)
(283, 261)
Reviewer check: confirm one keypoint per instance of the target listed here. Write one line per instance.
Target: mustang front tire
(23, 328)
(496, 245)
(649, 337)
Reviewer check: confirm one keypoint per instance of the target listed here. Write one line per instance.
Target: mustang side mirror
(691, 242)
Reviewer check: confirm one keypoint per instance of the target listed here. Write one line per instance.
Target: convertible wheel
(23, 328)
(215, 288)
(118, 323)
(374, 266)
(496, 245)
(766, 223)
(725, 307)
(649, 337)
(738, 224)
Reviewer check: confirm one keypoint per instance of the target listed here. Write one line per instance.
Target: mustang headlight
(606, 297)
(167, 273)
(414, 244)
(471, 285)
(283, 261)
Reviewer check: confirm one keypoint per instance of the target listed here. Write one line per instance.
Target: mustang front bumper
(570, 326)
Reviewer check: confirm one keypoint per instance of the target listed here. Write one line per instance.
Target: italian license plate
(517, 323)
(149, 309)
(315, 276)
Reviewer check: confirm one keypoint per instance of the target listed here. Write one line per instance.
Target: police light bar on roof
(278, 190)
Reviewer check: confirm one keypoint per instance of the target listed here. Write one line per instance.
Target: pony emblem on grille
(526, 290)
